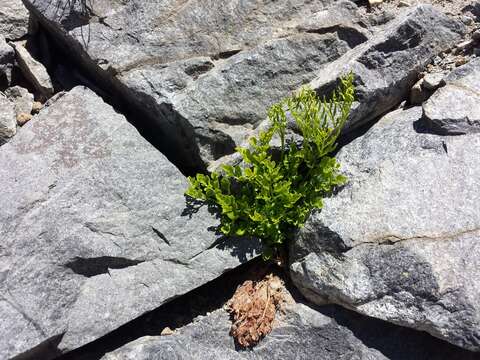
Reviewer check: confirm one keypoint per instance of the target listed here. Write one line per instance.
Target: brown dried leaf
(253, 308)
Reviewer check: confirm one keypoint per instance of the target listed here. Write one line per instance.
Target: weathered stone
(23, 118)
(94, 229)
(401, 241)
(204, 73)
(36, 107)
(22, 99)
(8, 126)
(418, 94)
(302, 333)
(34, 71)
(455, 108)
(432, 81)
(7, 58)
(387, 66)
(13, 19)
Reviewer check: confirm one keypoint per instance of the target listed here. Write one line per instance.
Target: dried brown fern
(253, 308)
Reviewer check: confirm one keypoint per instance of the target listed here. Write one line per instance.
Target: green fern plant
(274, 193)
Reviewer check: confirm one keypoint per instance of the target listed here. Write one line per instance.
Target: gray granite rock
(22, 99)
(94, 229)
(7, 59)
(432, 81)
(8, 125)
(455, 108)
(400, 242)
(302, 333)
(13, 19)
(33, 70)
(387, 66)
(204, 73)
(298, 335)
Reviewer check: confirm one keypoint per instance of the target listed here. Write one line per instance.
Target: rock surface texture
(388, 65)
(301, 333)
(401, 241)
(7, 58)
(204, 72)
(8, 124)
(13, 19)
(455, 108)
(208, 82)
(94, 229)
(34, 71)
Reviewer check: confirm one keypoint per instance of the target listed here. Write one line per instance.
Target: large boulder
(207, 73)
(301, 333)
(13, 19)
(400, 242)
(455, 108)
(204, 73)
(388, 65)
(94, 229)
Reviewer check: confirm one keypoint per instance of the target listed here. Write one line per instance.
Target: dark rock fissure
(395, 342)
(161, 235)
(166, 131)
(99, 265)
(176, 313)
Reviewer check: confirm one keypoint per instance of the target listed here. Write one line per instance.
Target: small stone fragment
(461, 61)
(404, 4)
(167, 331)
(463, 46)
(375, 2)
(23, 118)
(476, 36)
(34, 71)
(36, 107)
(433, 81)
(467, 20)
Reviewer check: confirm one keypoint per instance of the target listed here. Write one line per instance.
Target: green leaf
(272, 193)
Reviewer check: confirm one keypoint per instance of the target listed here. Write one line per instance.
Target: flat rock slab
(204, 72)
(302, 333)
(455, 108)
(94, 229)
(401, 241)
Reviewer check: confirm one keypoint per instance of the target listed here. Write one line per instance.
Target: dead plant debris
(253, 308)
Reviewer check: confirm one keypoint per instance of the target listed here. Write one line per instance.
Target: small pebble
(476, 36)
(23, 118)
(404, 4)
(167, 331)
(467, 20)
(461, 61)
(36, 107)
